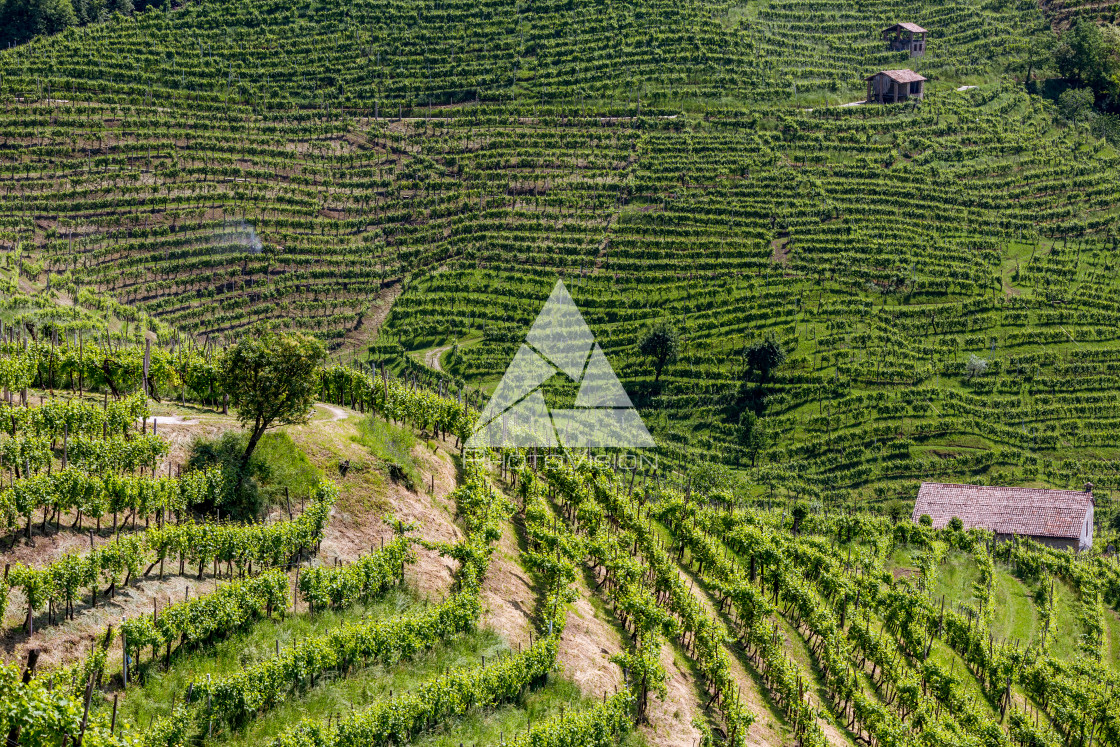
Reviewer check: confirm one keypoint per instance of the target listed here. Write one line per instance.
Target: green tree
(1090, 56)
(661, 342)
(1076, 104)
(763, 357)
(20, 20)
(708, 477)
(271, 380)
(976, 366)
(754, 435)
(1039, 53)
(800, 511)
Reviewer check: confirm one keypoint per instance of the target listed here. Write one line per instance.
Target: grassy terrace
(184, 163)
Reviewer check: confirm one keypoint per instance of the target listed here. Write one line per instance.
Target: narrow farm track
(431, 358)
(337, 413)
(764, 730)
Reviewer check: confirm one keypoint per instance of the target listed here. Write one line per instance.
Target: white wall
(1087, 530)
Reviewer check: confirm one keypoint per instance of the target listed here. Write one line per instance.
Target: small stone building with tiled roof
(906, 37)
(893, 86)
(1058, 518)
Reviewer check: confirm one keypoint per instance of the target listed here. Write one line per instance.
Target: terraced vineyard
(862, 298)
(766, 211)
(261, 575)
(823, 628)
(380, 55)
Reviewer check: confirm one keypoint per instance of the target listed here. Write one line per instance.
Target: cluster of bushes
(21, 20)
(1088, 57)
(247, 491)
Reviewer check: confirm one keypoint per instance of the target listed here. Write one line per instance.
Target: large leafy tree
(754, 435)
(272, 380)
(661, 342)
(763, 357)
(1090, 56)
(22, 19)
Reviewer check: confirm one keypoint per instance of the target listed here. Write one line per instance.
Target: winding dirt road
(431, 358)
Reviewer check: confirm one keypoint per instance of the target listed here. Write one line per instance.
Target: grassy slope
(1016, 614)
(916, 237)
(385, 443)
(333, 695)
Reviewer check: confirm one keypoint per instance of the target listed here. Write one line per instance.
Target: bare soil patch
(180, 436)
(367, 497)
(781, 248)
(508, 596)
(589, 641)
(671, 718)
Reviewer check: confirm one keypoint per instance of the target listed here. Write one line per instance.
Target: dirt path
(161, 420)
(431, 358)
(766, 731)
(590, 639)
(670, 720)
(366, 332)
(337, 413)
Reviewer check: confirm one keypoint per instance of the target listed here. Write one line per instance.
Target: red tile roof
(906, 27)
(1025, 511)
(902, 76)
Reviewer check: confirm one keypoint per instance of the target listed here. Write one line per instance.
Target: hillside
(271, 56)
(882, 246)
(762, 630)
(862, 297)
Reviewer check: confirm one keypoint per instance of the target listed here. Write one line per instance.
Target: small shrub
(241, 499)
(896, 509)
(800, 511)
